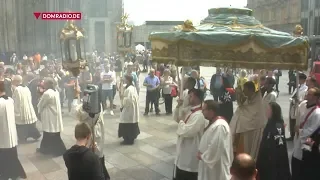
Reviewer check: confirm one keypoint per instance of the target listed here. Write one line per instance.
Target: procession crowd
(214, 142)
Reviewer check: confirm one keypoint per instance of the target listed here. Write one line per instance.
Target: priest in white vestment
(97, 125)
(49, 108)
(215, 149)
(248, 122)
(129, 116)
(190, 130)
(10, 166)
(25, 115)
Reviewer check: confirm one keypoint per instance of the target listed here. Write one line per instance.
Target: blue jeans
(106, 94)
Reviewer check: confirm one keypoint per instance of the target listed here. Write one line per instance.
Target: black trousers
(185, 175)
(296, 169)
(153, 98)
(168, 102)
(10, 166)
(216, 93)
(27, 130)
(104, 169)
(291, 88)
(292, 127)
(114, 88)
(52, 144)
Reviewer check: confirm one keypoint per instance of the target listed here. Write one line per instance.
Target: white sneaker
(105, 112)
(111, 113)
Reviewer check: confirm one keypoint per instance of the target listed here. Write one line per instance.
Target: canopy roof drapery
(230, 37)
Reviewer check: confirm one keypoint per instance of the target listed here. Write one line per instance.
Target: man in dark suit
(216, 84)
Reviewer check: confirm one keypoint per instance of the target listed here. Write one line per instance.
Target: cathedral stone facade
(20, 32)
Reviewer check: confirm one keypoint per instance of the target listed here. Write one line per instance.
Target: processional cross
(279, 136)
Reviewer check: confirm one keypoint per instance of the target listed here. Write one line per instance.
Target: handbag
(174, 91)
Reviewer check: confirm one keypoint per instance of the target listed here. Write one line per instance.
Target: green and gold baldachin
(230, 37)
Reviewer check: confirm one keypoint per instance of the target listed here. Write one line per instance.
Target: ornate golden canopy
(231, 37)
(187, 26)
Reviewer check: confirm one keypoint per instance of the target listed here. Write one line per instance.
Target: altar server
(129, 117)
(24, 113)
(183, 106)
(190, 130)
(215, 149)
(50, 112)
(10, 166)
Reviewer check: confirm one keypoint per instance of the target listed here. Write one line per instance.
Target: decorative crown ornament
(187, 26)
(298, 30)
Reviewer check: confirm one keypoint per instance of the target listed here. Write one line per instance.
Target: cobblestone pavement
(150, 158)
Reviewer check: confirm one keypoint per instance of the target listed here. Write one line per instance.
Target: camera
(91, 100)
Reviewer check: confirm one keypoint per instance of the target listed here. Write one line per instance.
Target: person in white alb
(49, 108)
(10, 166)
(25, 115)
(215, 149)
(309, 123)
(183, 102)
(190, 130)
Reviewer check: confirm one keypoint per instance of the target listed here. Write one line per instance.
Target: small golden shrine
(72, 48)
(124, 34)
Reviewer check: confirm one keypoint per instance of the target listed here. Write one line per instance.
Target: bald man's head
(244, 167)
(17, 80)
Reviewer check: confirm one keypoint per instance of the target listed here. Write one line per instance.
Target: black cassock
(273, 161)
(226, 99)
(311, 159)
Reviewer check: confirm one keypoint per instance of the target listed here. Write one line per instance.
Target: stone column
(108, 36)
(91, 34)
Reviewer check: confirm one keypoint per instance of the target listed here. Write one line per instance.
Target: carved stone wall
(278, 14)
(8, 27)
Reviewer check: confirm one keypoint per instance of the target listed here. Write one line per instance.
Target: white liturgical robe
(189, 135)
(23, 108)
(217, 152)
(310, 126)
(8, 131)
(130, 111)
(180, 112)
(49, 108)
(270, 97)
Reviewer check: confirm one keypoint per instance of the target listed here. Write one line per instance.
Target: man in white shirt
(107, 78)
(310, 122)
(190, 130)
(215, 149)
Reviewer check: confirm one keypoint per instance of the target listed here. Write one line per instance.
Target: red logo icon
(37, 15)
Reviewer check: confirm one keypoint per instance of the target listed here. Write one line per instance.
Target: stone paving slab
(150, 158)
